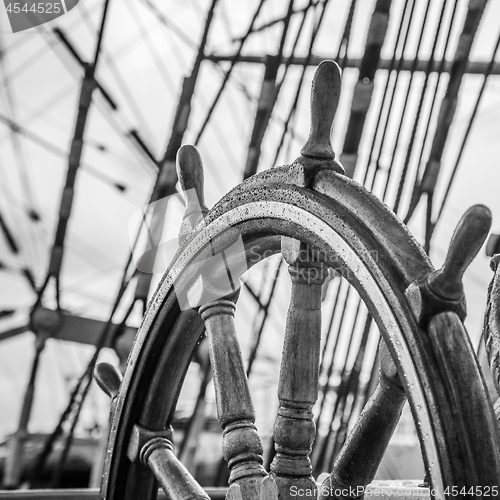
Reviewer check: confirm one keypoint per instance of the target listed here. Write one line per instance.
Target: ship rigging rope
(83, 383)
(111, 64)
(322, 454)
(469, 127)
(162, 18)
(257, 331)
(228, 73)
(416, 121)
(159, 61)
(26, 272)
(406, 101)
(117, 125)
(448, 107)
(325, 388)
(403, 25)
(291, 116)
(76, 245)
(120, 52)
(82, 387)
(264, 308)
(55, 150)
(34, 113)
(342, 53)
(346, 37)
(430, 207)
(88, 85)
(334, 300)
(293, 107)
(346, 386)
(31, 207)
(20, 42)
(285, 73)
(329, 442)
(120, 126)
(415, 192)
(353, 386)
(273, 22)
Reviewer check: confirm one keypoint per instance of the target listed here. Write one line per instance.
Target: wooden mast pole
(45, 322)
(167, 175)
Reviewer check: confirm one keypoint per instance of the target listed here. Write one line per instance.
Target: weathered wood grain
(155, 450)
(294, 429)
(358, 461)
(242, 447)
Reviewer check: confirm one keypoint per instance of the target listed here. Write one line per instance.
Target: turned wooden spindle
(357, 463)
(468, 238)
(242, 446)
(154, 449)
(325, 95)
(294, 429)
(215, 272)
(108, 378)
(190, 174)
(442, 290)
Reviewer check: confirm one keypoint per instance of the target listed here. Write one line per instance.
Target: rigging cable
(469, 127)
(117, 125)
(415, 192)
(342, 53)
(171, 26)
(329, 330)
(416, 121)
(120, 81)
(228, 73)
(404, 24)
(158, 191)
(323, 448)
(352, 388)
(353, 378)
(55, 150)
(293, 108)
(20, 160)
(267, 100)
(449, 102)
(328, 442)
(363, 89)
(406, 100)
(57, 251)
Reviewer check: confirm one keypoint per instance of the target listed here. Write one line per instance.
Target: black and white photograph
(249, 250)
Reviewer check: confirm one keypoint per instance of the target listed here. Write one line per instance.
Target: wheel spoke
(307, 205)
(242, 446)
(360, 457)
(294, 430)
(155, 450)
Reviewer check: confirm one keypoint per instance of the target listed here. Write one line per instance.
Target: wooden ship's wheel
(318, 219)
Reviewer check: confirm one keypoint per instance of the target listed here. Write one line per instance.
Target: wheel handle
(443, 290)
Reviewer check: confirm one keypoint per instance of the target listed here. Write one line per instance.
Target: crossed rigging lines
(349, 375)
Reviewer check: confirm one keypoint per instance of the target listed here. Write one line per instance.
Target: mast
(167, 175)
(43, 324)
